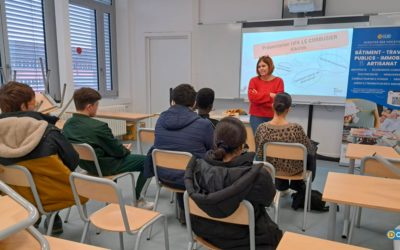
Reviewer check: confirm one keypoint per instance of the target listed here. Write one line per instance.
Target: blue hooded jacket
(181, 129)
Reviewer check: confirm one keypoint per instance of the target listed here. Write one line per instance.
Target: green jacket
(111, 154)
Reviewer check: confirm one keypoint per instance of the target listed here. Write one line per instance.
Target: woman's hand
(272, 95)
(128, 146)
(253, 91)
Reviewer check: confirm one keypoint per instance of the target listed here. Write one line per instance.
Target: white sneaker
(286, 192)
(142, 203)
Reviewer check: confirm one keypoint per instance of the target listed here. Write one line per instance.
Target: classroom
(113, 95)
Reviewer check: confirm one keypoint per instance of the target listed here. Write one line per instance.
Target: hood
(37, 115)
(177, 117)
(218, 190)
(245, 159)
(20, 135)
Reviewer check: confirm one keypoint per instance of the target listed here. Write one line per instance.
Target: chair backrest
(95, 188)
(269, 167)
(244, 215)
(285, 150)
(380, 167)
(146, 136)
(171, 159)
(16, 175)
(86, 153)
(16, 213)
(250, 141)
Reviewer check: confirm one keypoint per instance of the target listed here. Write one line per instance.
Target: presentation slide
(312, 63)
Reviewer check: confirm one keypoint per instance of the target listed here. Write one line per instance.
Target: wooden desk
(23, 240)
(244, 118)
(129, 117)
(292, 241)
(126, 116)
(362, 191)
(357, 152)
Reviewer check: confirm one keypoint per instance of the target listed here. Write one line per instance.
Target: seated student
(30, 139)
(113, 156)
(204, 104)
(225, 177)
(280, 130)
(180, 129)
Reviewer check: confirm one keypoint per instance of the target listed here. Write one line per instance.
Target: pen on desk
(374, 154)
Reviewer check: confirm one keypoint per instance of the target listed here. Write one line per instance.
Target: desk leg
(346, 207)
(332, 221)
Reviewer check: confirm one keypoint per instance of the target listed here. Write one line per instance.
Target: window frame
(100, 10)
(50, 39)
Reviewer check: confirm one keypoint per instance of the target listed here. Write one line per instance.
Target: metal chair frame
(306, 174)
(120, 201)
(8, 175)
(83, 149)
(275, 203)
(27, 223)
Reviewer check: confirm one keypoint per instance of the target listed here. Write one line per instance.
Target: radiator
(118, 127)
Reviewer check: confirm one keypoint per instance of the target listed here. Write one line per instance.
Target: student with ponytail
(225, 177)
(280, 130)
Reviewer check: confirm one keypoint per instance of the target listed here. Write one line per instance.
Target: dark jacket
(207, 116)
(218, 188)
(30, 139)
(181, 129)
(111, 153)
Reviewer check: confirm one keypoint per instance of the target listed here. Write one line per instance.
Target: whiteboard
(216, 58)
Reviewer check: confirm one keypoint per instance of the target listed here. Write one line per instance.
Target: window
(29, 43)
(26, 42)
(92, 44)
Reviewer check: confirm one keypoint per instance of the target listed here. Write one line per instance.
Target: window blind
(26, 40)
(84, 46)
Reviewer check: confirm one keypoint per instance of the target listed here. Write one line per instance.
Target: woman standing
(261, 92)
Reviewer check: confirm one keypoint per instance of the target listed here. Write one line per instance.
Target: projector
(299, 6)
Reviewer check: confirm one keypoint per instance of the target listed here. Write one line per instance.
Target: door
(168, 65)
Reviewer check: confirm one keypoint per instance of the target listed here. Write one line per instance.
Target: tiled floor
(372, 233)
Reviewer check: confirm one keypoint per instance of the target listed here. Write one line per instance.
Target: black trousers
(298, 185)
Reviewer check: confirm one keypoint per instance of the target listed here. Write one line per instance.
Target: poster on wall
(372, 109)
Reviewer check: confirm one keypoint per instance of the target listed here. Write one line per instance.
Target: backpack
(317, 203)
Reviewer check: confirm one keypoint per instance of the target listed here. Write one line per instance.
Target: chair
(379, 167)
(87, 153)
(16, 175)
(244, 215)
(251, 142)
(16, 213)
(145, 136)
(174, 160)
(292, 151)
(275, 203)
(17, 216)
(115, 217)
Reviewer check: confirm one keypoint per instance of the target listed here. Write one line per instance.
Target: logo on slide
(384, 36)
(393, 234)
